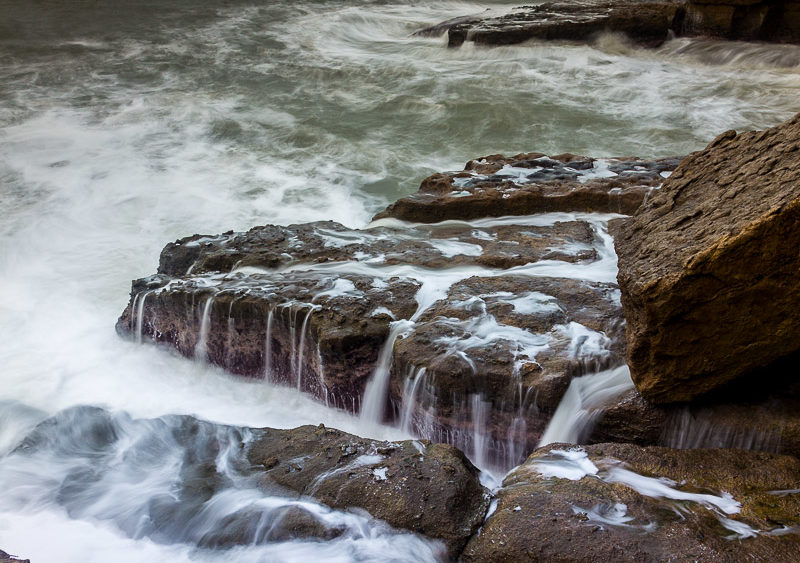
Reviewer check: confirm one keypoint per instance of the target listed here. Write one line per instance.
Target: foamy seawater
(123, 127)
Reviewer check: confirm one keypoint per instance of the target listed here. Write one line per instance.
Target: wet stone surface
(621, 502)
(179, 480)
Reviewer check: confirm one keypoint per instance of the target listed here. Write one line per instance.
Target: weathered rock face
(466, 332)
(611, 502)
(430, 489)
(528, 183)
(708, 266)
(646, 23)
(493, 360)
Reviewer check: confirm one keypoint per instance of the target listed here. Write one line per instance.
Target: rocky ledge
(529, 183)
(472, 321)
(647, 23)
(465, 331)
(620, 502)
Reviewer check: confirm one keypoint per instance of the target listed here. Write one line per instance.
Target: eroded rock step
(479, 325)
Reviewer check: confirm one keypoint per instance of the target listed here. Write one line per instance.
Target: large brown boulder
(708, 266)
(620, 502)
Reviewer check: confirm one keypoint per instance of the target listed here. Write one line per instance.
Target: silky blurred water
(126, 125)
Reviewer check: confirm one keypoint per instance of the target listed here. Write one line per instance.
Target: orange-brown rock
(708, 267)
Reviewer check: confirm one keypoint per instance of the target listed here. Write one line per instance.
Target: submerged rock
(430, 489)
(620, 502)
(708, 266)
(528, 183)
(180, 480)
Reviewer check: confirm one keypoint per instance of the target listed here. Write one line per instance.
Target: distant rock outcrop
(647, 23)
(644, 22)
(708, 267)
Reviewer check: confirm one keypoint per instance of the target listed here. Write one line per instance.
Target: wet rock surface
(178, 480)
(621, 502)
(527, 183)
(494, 359)
(750, 20)
(431, 489)
(464, 332)
(708, 266)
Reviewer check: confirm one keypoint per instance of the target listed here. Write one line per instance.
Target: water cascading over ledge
(464, 332)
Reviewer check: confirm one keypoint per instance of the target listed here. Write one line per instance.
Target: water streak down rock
(708, 266)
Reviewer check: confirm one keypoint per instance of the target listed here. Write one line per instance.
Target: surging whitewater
(125, 130)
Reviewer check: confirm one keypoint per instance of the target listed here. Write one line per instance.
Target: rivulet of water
(125, 125)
